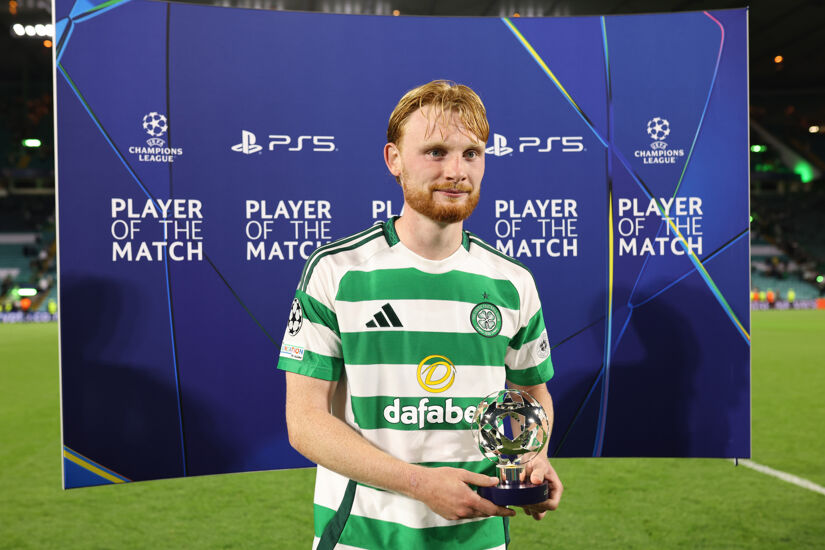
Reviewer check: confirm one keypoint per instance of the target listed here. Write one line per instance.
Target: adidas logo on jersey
(385, 318)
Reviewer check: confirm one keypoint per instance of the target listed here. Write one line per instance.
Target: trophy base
(516, 493)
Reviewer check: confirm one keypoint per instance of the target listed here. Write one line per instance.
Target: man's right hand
(446, 491)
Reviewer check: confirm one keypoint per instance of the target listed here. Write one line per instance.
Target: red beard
(449, 211)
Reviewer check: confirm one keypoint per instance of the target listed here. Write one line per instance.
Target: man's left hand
(537, 471)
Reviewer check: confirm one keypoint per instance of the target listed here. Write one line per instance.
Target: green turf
(608, 503)
(788, 360)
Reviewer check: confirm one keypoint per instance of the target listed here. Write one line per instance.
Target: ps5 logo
(569, 144)
(247, 146)
(499, 147)
(320, 144)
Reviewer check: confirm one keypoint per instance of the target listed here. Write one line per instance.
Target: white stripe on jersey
(420, 315)
(315, 337)
(401, 381)
(399, 257)
(326, 275)
(520, 356)
(381, 505)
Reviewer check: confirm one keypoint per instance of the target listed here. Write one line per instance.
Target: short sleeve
(528, 352)
(312, 340)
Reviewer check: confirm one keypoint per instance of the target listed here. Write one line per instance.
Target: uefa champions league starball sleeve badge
(531, 430)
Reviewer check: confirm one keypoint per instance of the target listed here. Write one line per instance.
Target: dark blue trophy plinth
(516, 493)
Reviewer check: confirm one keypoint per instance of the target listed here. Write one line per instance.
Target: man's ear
(392, 158)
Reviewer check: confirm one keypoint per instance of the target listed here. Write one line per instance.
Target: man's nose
(454, 170)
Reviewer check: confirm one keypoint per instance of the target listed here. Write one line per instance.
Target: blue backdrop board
(205, 152)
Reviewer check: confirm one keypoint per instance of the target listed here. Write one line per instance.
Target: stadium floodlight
(813, 129)
(40, 30)
(18, 29)
(32, 142)
(30, 30)
(27, 292)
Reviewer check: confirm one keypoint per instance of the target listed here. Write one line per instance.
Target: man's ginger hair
(445, 97)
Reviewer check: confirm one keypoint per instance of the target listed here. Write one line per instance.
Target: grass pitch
(608, 503)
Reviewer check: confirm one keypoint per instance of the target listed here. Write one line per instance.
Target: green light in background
(804, 170)
(820, 278)
(31, 142)
(758, 148)
(751, 220)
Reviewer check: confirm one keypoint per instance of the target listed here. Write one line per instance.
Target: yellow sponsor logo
(436, 373)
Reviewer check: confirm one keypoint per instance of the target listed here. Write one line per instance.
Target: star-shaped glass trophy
(530, 429)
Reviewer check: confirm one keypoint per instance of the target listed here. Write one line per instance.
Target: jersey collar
(392, 235)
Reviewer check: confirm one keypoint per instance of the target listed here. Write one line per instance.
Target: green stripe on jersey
(317, 312)
(414, 413)
(528, 333)
(413, 284)
(404, 348)
(364, 532)
(314, 365)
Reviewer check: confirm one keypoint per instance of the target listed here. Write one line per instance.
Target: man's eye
(436, 153)
(471, 154)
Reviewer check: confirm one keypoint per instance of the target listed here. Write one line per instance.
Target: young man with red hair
(397, 332)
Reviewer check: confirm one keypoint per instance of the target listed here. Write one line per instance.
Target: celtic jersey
(414, 345)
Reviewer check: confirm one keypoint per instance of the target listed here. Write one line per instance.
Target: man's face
(440, 166)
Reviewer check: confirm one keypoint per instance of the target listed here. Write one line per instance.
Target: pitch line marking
(784, 476)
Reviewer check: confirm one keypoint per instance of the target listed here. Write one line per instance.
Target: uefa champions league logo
(155, 125)
(658, 129)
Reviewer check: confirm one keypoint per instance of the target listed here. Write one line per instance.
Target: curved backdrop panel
(205, 152)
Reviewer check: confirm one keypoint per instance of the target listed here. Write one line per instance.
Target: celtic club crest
(486, 319)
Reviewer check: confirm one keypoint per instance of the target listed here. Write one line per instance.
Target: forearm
(326, 440)
(330, 442)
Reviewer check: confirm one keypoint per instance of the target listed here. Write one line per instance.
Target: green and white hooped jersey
(415, 344)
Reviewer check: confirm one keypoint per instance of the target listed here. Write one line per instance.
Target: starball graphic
(156, 125)
(658, 129)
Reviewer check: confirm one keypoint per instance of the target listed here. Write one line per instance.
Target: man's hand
(538, 471)
(446, 491)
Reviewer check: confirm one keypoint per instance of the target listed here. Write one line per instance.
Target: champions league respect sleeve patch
(541, 347)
